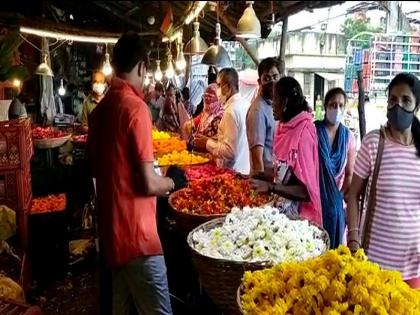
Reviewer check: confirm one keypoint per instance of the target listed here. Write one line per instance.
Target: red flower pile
(217, 195)
(47, 133)
(206, 171)
(50, 203)
(80, 138)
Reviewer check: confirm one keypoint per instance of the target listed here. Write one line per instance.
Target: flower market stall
(228, 248)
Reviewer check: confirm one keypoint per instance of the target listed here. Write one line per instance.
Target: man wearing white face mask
(98, 89)
(231, 148)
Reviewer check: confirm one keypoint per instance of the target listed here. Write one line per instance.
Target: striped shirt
(395, 235)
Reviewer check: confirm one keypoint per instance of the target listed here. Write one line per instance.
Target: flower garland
(334, 283)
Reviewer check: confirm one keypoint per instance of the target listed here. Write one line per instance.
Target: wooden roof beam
(129, 21)
(132, 11)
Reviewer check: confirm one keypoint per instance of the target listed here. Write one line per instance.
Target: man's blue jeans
(142, 285)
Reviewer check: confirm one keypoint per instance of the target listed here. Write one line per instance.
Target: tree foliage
(352, 27)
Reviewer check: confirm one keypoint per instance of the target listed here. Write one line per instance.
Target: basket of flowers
(336, 282)
(249, 239)
(211, 198)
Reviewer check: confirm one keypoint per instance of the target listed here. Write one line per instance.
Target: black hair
(413, 82)
(266, 65)
(170, 86)
(185, 93)
(159, 87)
(212, 75)
(128, 51)
(230, 76)
(331, 93)
(288, 87)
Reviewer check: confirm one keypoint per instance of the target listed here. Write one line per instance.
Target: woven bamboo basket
(51, 143)
(221, 278)
(186, 222)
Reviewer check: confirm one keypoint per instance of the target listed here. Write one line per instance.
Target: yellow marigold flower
(335, 283)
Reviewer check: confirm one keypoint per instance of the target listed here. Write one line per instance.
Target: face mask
(267, 91)
(98, 88)
(399, 118)
(334, 116)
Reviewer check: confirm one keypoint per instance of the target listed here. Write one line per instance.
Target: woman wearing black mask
(389, 164)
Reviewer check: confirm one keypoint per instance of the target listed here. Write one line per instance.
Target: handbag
(370, 210)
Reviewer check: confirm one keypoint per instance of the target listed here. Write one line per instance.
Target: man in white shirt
(231, 148)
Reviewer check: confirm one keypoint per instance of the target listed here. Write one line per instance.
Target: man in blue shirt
(260, 122)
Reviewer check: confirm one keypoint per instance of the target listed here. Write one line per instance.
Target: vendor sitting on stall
(99, 86)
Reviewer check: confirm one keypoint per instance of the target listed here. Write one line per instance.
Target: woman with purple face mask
(337, 152)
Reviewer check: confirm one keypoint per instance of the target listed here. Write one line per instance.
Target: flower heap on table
(47, 133)
(80, 138)
(171, 145)
(261, 235)
(206, 171)
(181, 158)
(51, 203)
(334, 283)
(160, 135)
(164, 143)
(217, 195)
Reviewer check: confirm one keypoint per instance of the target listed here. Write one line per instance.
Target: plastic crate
(16, 188)
(16, 149)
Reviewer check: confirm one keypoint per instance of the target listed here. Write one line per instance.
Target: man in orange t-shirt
(121, 151)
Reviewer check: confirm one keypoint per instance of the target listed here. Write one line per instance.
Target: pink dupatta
(296, 143)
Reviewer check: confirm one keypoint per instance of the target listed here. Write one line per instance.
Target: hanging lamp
(158, 72)
(249, 25)
(61, 89)
(44, 68)
(107, 68)
(196, 45)
(217, 55)
(170, 72)
(147, 80)
(181, 63)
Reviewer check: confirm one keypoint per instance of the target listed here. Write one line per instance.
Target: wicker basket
(51, 143)
(220, 278)
(186, 222)
(238, 299)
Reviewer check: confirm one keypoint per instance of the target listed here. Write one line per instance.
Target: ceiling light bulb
(158, 72)
(61, 90)
(147, 80)
(170, 72)
(181, 63)
(107, 68)
(16, 83)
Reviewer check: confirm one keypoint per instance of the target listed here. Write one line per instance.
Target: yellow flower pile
(332, 284)
(181, 158)
(160, 135)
